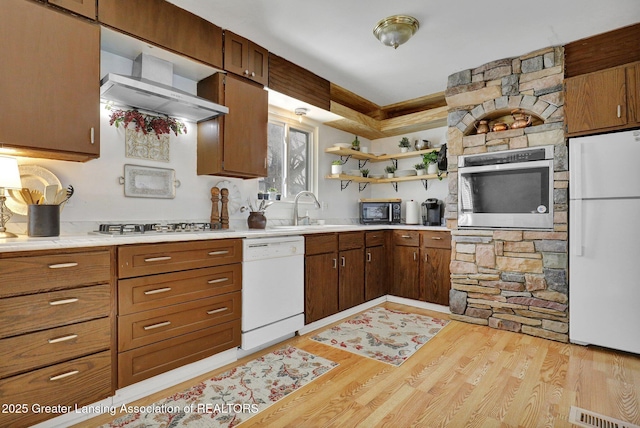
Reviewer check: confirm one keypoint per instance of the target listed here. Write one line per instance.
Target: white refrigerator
(604, 240)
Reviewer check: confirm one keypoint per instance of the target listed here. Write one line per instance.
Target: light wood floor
(466, 376)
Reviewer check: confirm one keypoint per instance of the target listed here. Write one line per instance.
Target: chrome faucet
(296, 219)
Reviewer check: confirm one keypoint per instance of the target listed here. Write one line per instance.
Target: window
(289, 157)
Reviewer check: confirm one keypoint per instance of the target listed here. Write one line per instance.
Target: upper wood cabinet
(49, 82)
(165, 25)
(605, 100)
(234, 145)
(81, 7)
(245, 58)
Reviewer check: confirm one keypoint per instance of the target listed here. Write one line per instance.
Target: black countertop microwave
(380, 211)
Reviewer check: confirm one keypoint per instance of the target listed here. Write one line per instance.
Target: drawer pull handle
(63, 265)
(63, 338)
(215, 281)
(218, 253)
(158, 290)
(63, 375)
(437, 238)
(63, 301)
(157, 259)
(160, 324)
(215, 311)
(406, 236)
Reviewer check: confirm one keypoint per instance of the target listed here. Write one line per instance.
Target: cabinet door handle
(63, 338)
(246, 72)
(93, 135)
(215, 311)
(415, 256)
(426, 257)
(343, 262)
(217, 280)
(368, 257)
(619, 111)
(158, 290)
(218, 253)
(335, 263)
(63, 265)
(157, 259)
(63, 375)
(158, 325)
(63, 301)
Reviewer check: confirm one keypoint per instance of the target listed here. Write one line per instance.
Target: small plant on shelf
(404, 143)
(365, 172)
(420, 168)
(355, 144)
(390, 170)
(336, 167)
(431, 157)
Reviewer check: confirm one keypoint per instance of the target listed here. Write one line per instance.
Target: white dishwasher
(272, 289)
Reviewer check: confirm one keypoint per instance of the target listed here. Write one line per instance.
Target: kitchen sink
(308, 227)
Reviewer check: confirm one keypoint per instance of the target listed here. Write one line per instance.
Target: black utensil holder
(44, 220)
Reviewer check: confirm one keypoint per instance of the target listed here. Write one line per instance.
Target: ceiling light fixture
(301, 112)
(396, 30)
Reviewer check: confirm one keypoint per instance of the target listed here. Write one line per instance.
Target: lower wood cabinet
(334, 273)
(421, 265)
(376, 278)
(177, 303)
(57, 335)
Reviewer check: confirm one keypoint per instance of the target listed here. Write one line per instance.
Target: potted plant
(431, 160)
(365, 172)
(404, 145)
(336, 167)
(390, 170)
(273, 194)
(420, 168)
(355, 144)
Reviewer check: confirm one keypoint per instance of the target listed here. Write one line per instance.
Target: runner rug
(232, 397)
(382, 334)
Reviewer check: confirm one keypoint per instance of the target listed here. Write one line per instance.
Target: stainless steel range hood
(139, 91)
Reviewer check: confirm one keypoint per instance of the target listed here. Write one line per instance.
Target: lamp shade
(396, 30)
(9, 173)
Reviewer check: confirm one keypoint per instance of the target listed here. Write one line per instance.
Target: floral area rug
(231, 397)
(383, 334)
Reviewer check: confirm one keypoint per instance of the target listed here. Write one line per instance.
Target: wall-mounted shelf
(363, 158)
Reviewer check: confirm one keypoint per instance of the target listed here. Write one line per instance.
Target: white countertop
(26, 243)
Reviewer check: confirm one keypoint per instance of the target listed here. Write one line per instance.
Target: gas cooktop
(156, 228)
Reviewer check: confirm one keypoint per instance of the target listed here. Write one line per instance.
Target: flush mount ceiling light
(301, 112)
(396, 30)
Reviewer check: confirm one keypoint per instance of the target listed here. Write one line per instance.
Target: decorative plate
(149, 182)
(33, 177)
(235, 199)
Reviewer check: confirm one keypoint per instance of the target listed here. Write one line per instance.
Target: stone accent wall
(512, 280)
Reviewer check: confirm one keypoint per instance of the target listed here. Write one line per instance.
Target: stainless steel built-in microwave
(380, 211)
(507, 189)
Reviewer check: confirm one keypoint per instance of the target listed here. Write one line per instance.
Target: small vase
(336, 169)
(404, 149)
(432, 168)
(420, 171)
(256, 220)
(390, 175)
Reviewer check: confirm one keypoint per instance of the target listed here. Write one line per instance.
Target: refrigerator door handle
(576, 174)
(576, 236)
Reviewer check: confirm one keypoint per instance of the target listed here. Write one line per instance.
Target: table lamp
(9, 179)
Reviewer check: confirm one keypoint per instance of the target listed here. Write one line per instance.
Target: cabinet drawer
(142, 363)
(139, 260)
(320, 244)
(408, 238)
(374, 239)
(435, 239)
(350, 240)
(144, 328)
(25, 314)
(77, 382)
(151, 292)
(34, 350)
(32, 274)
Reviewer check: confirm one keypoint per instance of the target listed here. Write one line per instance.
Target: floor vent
(585, 418)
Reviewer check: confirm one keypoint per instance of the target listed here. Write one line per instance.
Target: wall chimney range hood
(150, 88)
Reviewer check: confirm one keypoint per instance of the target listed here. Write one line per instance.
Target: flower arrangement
(146, 123)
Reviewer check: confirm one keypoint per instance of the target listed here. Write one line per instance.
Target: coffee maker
(432, 212)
